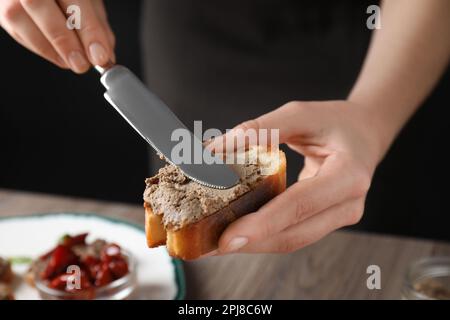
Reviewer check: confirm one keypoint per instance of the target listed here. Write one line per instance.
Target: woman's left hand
(341, 152)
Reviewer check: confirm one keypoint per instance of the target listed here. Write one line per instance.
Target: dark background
(57, 132)
(58, 135)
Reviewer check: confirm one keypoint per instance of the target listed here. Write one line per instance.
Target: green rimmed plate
(159, 276)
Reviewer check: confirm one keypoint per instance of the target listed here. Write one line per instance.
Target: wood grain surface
(333, 268)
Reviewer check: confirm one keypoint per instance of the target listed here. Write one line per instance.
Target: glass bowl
(119, 289)
(428, 279)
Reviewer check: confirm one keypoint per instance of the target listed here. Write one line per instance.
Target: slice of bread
(189, 218)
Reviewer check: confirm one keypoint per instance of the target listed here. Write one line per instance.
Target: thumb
(270, 129)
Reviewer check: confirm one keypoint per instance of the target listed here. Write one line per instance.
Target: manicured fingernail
(77, 61)
(236, 244)
(98, 54)
(209, 254)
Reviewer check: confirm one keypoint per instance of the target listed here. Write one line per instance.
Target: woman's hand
(343, 141)
(40, 26)
(341, 152)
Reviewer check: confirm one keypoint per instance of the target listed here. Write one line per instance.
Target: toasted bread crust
(201, 237)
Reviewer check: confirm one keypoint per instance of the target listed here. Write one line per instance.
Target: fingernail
(209, 254)
(98, 54)
(236, 244)
(77, 62)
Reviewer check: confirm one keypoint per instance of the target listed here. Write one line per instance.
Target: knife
(155, 122)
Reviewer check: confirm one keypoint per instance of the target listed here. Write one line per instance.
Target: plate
(158, 275)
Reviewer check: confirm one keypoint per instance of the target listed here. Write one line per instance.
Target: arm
(405, 60)
(343, 141)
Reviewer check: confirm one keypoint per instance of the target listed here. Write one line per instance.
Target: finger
(299, 202)
(292, 119)
(310, 168)
(100, 9)
(92, 34)
(52, 23)
(24, 31)
(309, 231)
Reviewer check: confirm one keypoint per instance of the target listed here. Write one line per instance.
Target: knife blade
(155, 122)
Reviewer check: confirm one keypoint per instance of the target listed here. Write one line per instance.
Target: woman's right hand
(40, 26)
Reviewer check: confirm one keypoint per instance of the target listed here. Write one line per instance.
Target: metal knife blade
(155, 122)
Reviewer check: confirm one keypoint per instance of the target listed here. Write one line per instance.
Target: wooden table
(334, 268)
